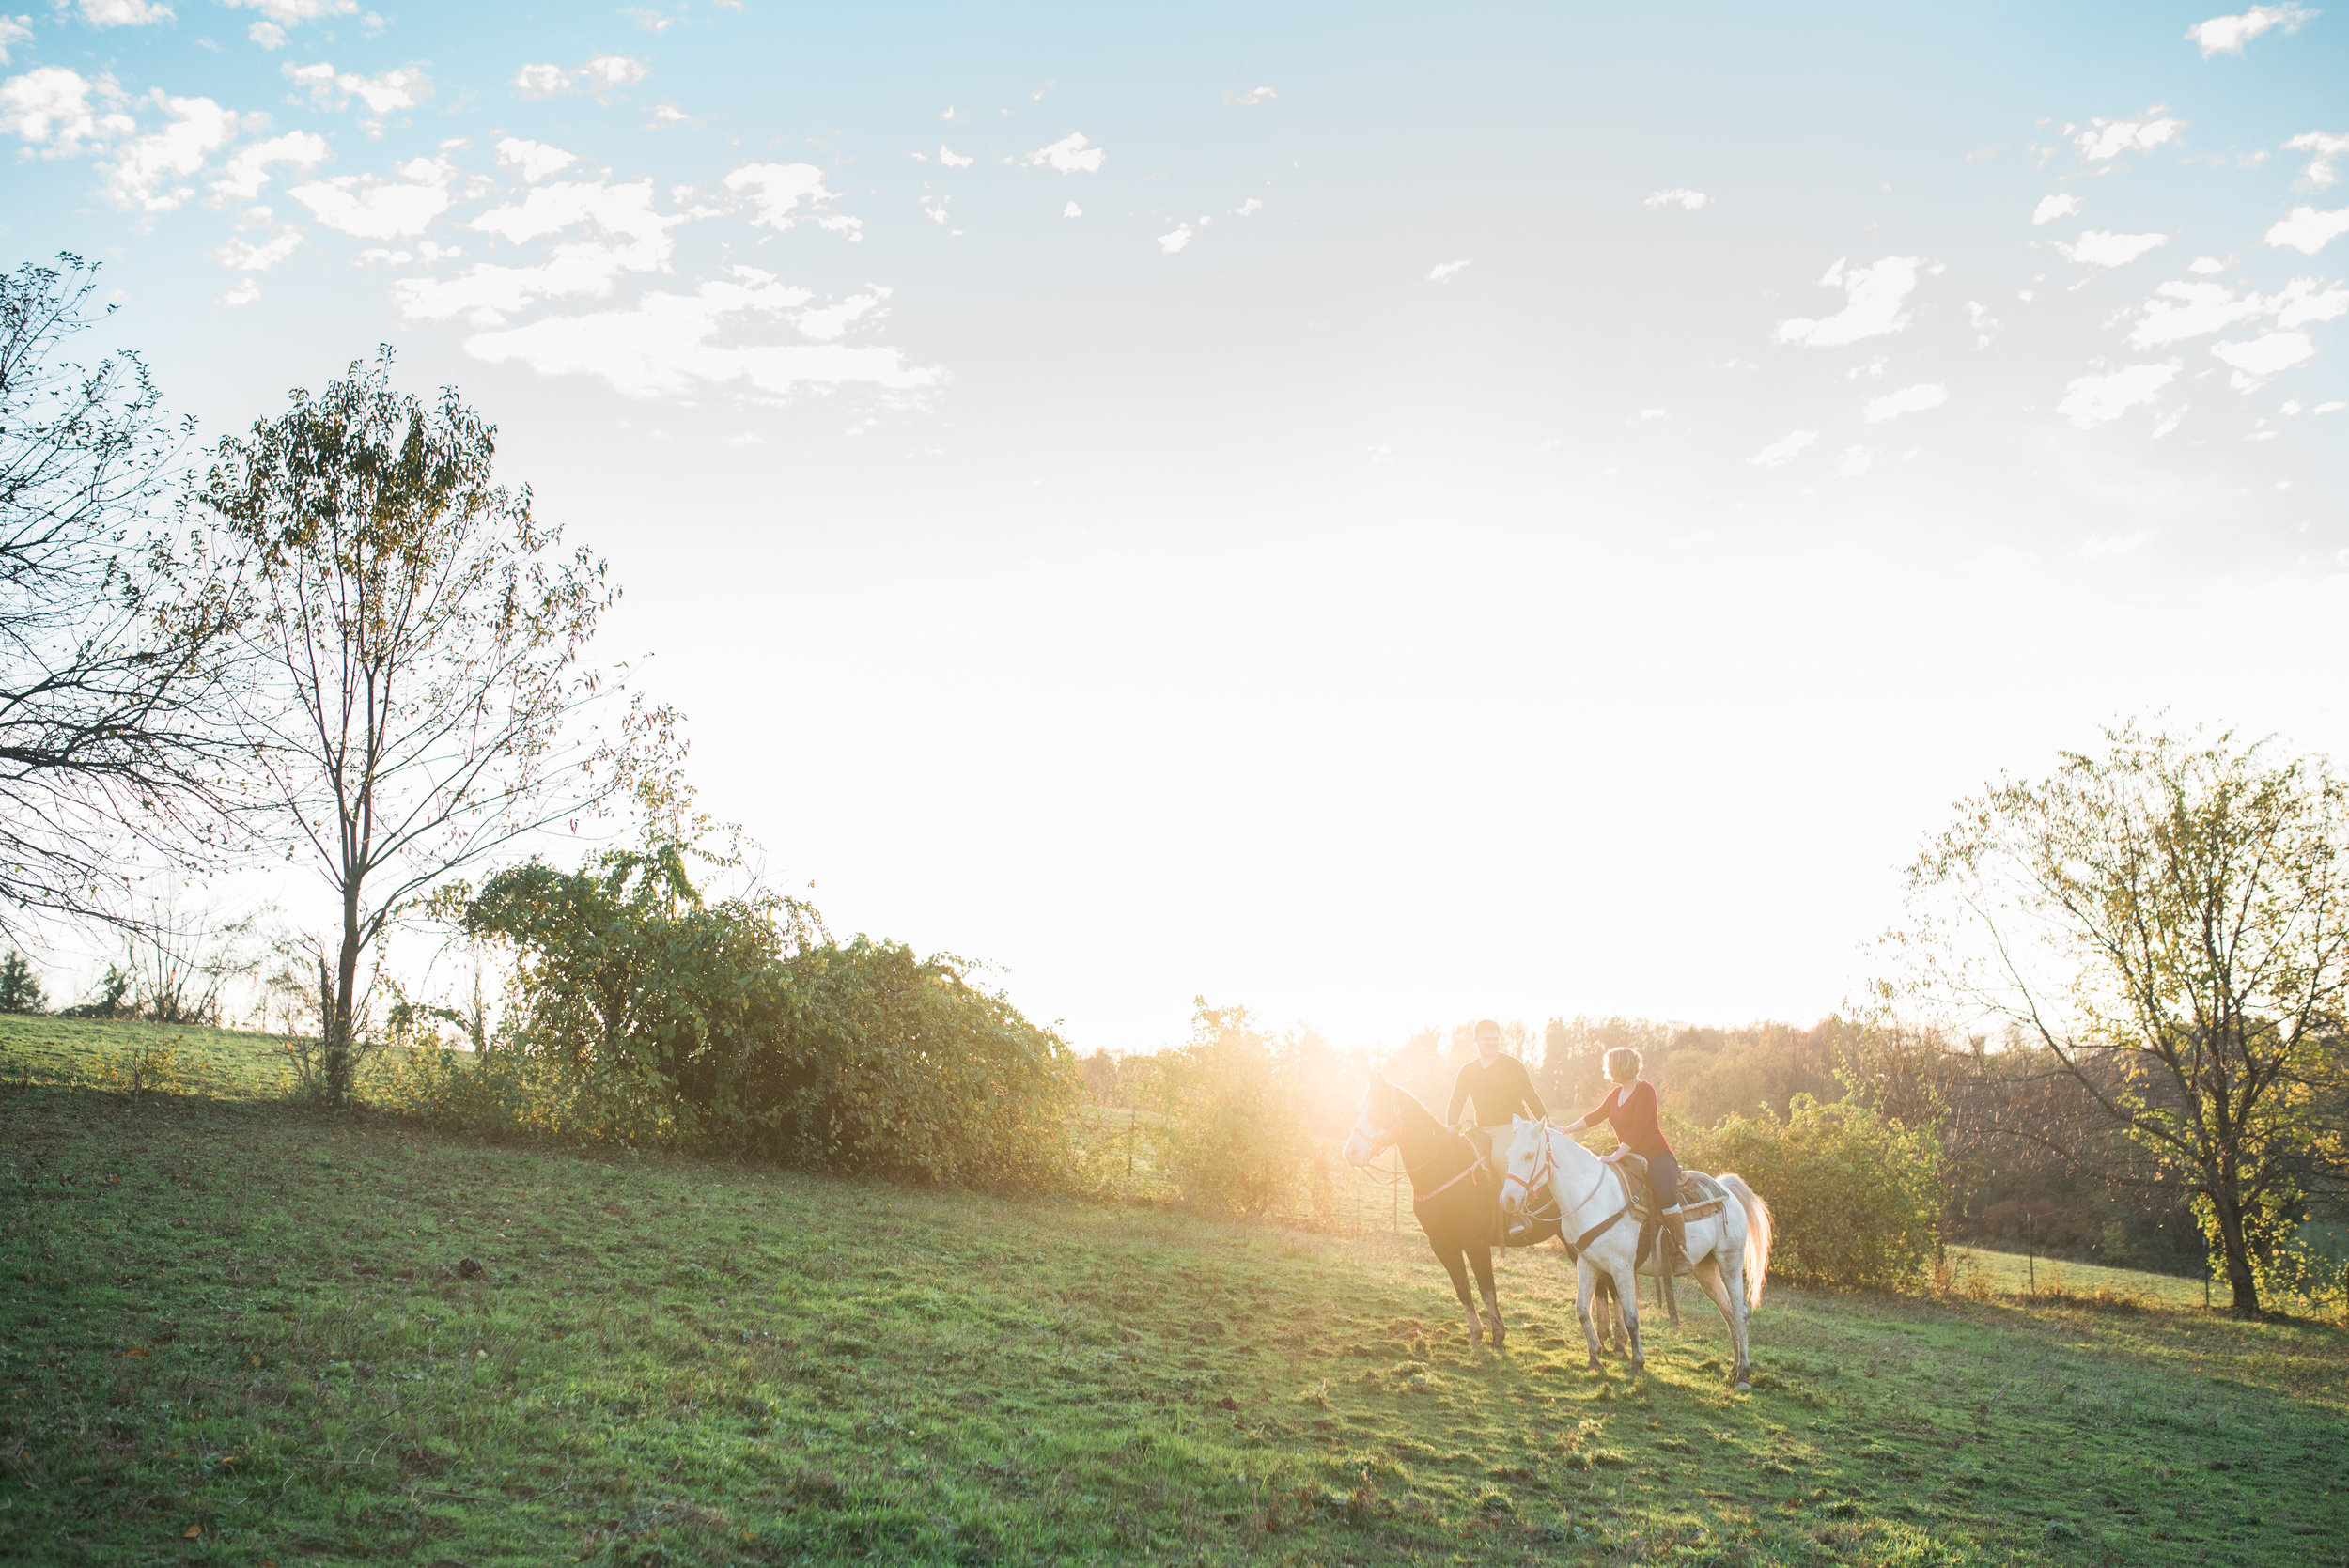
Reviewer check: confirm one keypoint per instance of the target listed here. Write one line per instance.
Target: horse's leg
(1481, 1258)
(1612, 1315)
(1585, 1287)
(1457, 1265)
(1728, 1293)
(1627, 1303)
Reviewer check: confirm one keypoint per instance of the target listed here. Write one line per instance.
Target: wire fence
(1332, 1197)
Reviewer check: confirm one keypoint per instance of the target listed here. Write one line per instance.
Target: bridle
(1543, 1169)
(1383, 1138)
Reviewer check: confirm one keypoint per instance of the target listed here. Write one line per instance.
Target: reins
(1547, 1169)
(1388, 1138)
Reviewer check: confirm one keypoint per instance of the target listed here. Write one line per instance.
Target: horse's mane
(1406, 1104)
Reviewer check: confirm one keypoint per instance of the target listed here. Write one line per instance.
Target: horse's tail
(1758, 1227)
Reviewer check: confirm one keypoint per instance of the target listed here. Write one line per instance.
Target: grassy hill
(232, 1333)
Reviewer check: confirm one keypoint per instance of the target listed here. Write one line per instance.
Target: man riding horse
(1500, 1088)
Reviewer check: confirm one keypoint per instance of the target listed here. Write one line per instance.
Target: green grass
(223, 1063)
(223, 1318)
(2013, 1273)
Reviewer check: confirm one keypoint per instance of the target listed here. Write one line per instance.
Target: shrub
(902, 1067)
(645, 1012)
(1232, 1133)
(1856, 1197)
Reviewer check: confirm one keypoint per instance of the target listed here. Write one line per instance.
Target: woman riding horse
(1629, 1107)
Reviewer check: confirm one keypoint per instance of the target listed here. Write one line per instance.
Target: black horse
(1452, 1191)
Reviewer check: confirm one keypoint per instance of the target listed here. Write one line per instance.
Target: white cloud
(2306, 300)
(140, 178)
(1444, 272)
(294, 12)
(2100, 547)
(368, 207)
(1248, 209)
(1252, 98)
(662, 344)
(243, 175)
(541, 81)
(2093, 401)
(247, 290)
(2051, 207)
(830, 321)
(2322, 150)
(2227, 35)
(2255, 361)
(1780, 453)
(1072, 211)
(1910, 399)
(1175, 240)
(951, 158)
(1855, 461)
(123, 13)
(635, 239)
(1679, 195)
(2098, 247)
(267, 34)
(610, 71)
(49, 107)
(2308, 230)
(2206, 265)
(13, 31)
(1873, 300)
(1069, 155)
(243, 255)
(2179, 311)
(395, 91)
(776, 191)
(533, 160)
(935, 202)
(2105, 138)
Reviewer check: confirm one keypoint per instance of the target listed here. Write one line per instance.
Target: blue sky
(1384, 515)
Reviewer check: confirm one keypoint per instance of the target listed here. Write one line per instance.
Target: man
(1500, 1088)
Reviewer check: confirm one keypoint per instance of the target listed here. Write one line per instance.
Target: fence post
(2030, 1251)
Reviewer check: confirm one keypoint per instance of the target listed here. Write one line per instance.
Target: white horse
(1548, 1172)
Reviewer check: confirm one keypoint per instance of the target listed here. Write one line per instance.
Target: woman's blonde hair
(1624, 1063)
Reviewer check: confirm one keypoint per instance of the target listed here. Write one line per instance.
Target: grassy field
(232, 1333)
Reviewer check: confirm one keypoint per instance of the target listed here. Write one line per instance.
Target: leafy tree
(767, 1038)
(115, 997)
(1232, 1130)
(413, 639)
(2168, 922)
(19, 991)
(107, 681)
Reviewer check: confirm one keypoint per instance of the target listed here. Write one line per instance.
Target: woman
(1629, 1107)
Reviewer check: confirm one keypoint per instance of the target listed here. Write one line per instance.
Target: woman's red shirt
(1634, 1120)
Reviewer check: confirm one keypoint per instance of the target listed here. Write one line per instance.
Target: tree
(19, 989)
(107, 684)
(413, 639)
(2170, 922)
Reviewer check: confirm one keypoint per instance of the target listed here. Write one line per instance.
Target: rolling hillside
(235, 1333)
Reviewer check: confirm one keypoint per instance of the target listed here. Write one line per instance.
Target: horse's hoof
(1594, 1366)
(1744, 1387)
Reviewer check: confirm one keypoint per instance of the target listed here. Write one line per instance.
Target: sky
(1384, 515)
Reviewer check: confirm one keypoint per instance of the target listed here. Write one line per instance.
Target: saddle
(1700, 1197)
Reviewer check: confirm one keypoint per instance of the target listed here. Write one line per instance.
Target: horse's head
(1526, 1172)
(1374, 1125)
